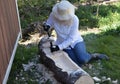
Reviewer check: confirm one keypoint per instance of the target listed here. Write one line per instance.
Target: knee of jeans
(83, 60)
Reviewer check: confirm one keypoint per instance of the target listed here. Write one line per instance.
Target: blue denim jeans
(79, 54)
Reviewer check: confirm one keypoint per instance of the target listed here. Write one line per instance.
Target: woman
(66, 24)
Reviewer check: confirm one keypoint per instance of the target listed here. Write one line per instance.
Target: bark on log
(65, 70)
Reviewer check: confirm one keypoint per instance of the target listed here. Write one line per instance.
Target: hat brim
(59, 16)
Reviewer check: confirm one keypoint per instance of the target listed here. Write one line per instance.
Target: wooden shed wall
(9, 29)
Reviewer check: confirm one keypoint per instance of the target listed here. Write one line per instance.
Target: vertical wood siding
(9, 29)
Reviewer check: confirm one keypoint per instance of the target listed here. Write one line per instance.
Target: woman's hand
(54, 48)
(46, 27)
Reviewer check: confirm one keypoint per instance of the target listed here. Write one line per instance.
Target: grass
(107, 42)
(108, 15)
(110, 45)
(23, 55)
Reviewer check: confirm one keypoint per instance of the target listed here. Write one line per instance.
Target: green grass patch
(107, 43)
(107, 15)
(22, 56)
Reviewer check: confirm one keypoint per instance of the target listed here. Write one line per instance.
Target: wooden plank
(13, 14)
(2, 54)
(5, 30)
(1, 64)
(3, 39)
(8, 31)
(9, 28)
(6, 36)
(14, 26)
(15, 17)
(11, 24)
(0, 79)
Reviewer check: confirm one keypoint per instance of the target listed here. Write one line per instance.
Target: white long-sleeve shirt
(67, 35)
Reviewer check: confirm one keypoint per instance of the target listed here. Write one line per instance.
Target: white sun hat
(63, 10)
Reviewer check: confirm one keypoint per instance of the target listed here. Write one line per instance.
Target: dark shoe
(98, 56)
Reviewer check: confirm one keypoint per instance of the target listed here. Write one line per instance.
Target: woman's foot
(97, 56)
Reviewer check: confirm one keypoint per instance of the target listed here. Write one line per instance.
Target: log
(64, 69)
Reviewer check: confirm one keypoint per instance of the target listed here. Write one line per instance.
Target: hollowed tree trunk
(65, 70)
